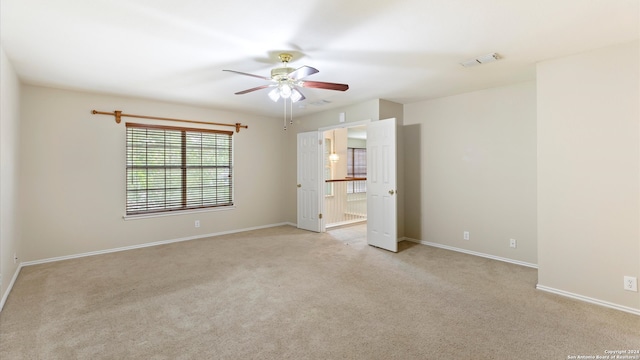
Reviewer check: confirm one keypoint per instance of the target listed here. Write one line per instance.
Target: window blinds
(174, 168)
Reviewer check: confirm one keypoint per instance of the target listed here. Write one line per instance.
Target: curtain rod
(118, 115)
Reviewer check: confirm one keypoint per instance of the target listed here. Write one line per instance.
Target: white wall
(9, 160)
(470, 165)
(589, 173)
(73, 174)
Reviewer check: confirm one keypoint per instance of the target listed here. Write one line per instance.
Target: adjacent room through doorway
(345, 176)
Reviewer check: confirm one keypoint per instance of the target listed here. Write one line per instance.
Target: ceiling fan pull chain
(285, 113)
(290, 112)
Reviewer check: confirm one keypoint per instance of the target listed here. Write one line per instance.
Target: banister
(347, 179)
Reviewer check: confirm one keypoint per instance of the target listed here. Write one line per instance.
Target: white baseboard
(446, 247)
(588, 299)
(140, 246)
(10, 287)
(107, 251)
(539, 287)
(92, 253)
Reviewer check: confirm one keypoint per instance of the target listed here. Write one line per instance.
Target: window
(356, 162)
(357, 167)
(174, 168)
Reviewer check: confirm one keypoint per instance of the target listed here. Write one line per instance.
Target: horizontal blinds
(357, 167)
(172, 169)
(356, 162)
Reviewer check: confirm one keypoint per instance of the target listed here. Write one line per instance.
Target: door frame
(321, 164)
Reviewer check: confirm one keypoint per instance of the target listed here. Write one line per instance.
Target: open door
(382, 219)
(309, 181)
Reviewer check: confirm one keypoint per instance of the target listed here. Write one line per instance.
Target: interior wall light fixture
(333, 157)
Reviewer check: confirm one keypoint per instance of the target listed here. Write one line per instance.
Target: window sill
(175, 213)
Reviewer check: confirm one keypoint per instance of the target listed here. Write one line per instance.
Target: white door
(382, 221)
(309, 181)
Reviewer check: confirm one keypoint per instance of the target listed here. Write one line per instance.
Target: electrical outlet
(197, 223)
(512, 243)
(630, 283)
(465, 235)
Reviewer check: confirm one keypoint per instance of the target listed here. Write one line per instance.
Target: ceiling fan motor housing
(286, 78)
(282, 73)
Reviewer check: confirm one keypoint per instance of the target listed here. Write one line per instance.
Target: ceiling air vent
(481, 60)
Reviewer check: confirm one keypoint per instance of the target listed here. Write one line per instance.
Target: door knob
(391, 192)
(299, 185)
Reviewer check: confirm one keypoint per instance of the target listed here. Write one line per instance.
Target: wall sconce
(333, 157)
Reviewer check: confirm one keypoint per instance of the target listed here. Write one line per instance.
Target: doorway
(345, 176)
(381, 184)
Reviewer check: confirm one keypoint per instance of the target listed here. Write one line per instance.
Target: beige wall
(367, 110)
(470, 165)
(589, 173)
(9, 183)
(73, 175)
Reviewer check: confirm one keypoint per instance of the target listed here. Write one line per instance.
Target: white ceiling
(399, 50)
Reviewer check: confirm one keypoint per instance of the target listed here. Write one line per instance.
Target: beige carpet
(283, 293)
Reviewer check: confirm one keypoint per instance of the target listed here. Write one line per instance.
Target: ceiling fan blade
(253, 89)
(299, 93)
(302, 72)
(325, 85)
(247, 74)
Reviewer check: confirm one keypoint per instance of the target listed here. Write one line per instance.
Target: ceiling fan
(286, 81)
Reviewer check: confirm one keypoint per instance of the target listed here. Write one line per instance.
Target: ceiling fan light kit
(286, 81)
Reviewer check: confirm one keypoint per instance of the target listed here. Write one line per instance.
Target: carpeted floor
(283, 293)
